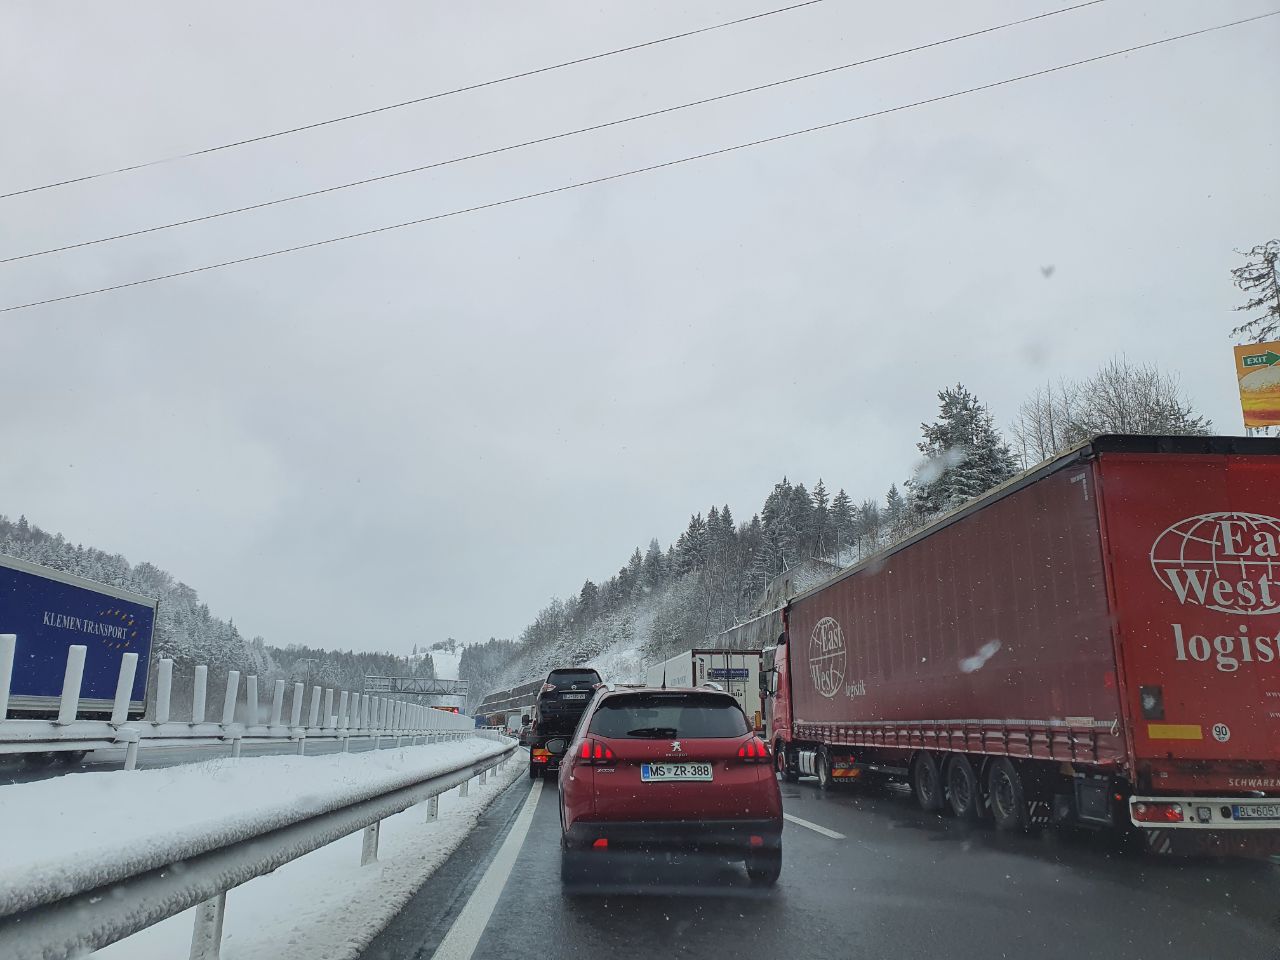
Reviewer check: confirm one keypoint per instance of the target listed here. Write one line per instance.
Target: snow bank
(324, 906)
(63, 834)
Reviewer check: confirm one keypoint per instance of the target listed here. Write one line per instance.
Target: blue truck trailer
(49, 612)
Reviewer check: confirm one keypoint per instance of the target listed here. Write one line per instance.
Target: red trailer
(1096, 641)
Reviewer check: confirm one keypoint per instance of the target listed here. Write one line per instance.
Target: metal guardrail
(86, 912)
(354, 716)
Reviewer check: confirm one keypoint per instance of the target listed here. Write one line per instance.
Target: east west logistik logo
(1229, 562)
(828, 661)
(1226, 562)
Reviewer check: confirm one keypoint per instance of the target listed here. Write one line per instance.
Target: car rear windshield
(644, 716)
(567, 678)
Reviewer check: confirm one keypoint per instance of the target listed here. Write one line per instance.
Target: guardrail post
(206, 937)
(484, 774)
(198, 690)
(369, 851)
(8, 642)
(131, 755)
(328, 707)
(314, 714)
(124, 689)
(164, 688)
(277, 703)
(433, 808)
(251, 700)
(343, 701)
(71, 679)
(464, 788)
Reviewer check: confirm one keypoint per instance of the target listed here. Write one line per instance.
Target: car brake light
(595, 753)
(754, 751)
(1157, 812)
(601, 844)
(757, 841)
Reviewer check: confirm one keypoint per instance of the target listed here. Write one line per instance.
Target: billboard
(1258, 373)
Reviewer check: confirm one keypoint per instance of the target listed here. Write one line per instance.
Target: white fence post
(433, 808)
(314, 714)
(369, 851)
(464, 788)
(344, 700)
(206, 938)
(164, 688)
(199, 686)
(328, 707)
(295, 718)
(251, 700)
(229, 704)
(124, 689)
(8, 642)
(277, 703)
(71, 679)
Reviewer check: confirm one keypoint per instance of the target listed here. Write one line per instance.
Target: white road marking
(814, 827)
(460, 942)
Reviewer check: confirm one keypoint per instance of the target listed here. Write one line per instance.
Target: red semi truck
(1096, 641)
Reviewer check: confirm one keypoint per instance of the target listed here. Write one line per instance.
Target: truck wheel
(533, 772)
(927, 781)
(1008, 800)
(764, 867)
(823, 764)
(783, 764)
(963, 790)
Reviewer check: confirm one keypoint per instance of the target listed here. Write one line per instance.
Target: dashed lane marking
(816, 828)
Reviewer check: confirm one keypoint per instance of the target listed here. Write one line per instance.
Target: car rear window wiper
(655, 732)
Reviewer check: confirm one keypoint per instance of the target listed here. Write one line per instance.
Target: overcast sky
(432, 431)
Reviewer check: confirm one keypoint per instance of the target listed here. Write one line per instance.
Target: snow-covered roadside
(60, 834)
(325, 906)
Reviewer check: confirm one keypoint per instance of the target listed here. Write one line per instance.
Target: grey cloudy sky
(432, 431)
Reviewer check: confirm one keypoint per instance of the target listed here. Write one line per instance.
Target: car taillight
(595, 753)
(1157, 812)
(539, 755)
(754, 751)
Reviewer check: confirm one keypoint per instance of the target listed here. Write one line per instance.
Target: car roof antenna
(664, 678)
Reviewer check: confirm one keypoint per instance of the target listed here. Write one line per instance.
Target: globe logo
(1222, 561)
(827, 657)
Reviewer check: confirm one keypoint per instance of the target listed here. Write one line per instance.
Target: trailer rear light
(601, 844)
(595, 753)
(539, 755)
(754, 751)
(1157, 812)
(757, 841)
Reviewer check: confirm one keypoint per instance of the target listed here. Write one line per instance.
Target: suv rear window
(651, 716)
(567, 678)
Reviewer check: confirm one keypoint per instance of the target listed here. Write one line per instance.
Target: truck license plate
(650, 772)
(1257, 811)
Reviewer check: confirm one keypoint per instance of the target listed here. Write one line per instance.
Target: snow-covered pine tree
(966, 454)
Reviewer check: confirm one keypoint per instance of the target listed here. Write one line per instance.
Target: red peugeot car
(655, 771)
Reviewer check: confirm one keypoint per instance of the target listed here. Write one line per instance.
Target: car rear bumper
(692, 836)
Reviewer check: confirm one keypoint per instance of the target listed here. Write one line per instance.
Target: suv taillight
(595, 753)
(754, 751)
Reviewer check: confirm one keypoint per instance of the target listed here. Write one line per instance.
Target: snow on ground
(96, 827)
(446, 664)
(325, 906)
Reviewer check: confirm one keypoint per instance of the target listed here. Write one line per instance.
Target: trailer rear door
(1192, 543)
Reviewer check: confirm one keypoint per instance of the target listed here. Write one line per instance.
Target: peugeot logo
(675, 746)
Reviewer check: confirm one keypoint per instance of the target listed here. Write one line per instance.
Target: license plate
(573, 696)
(650, 772)
(1257, 811)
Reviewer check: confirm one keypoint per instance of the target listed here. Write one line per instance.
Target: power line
(648, 169)
(407, 103)
(547, 139)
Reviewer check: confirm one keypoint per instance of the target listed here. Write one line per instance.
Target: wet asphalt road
(900, 883)
(13, 770)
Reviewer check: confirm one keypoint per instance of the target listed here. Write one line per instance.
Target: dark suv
(560, 705)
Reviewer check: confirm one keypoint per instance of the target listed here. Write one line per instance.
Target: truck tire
(926, 780)
(964, 792)
(533, 772)
(1008, 799)
(764, 867)
(822, 763)
(783, 763)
